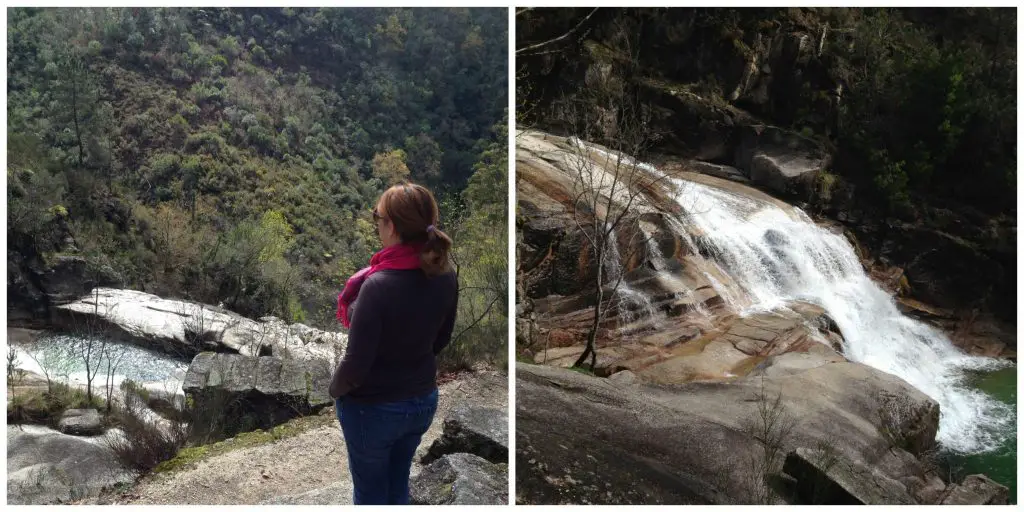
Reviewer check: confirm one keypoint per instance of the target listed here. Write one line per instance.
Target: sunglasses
(377, 216)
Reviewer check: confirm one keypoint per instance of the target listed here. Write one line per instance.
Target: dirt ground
(307, 469)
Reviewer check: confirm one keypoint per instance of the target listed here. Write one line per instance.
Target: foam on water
(776, 256)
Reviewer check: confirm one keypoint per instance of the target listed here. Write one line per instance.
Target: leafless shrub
(771, 427)
(144, 443)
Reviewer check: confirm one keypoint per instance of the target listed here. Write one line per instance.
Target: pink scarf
(395, 257)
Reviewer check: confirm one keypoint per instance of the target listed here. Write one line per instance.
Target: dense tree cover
(919, 105)
(233, 155)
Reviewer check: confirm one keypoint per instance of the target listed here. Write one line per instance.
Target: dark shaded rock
(248, 393)
(719, 171)
(977, 490)
(942, 269)
(482, 431)
(828, 478)
(779, 160)
(81, 422)
(36, 284)
(581, 439)
(461, 479)
(69, 278)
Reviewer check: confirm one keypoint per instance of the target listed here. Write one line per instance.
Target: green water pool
(999, 465)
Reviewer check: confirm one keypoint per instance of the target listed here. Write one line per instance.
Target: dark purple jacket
(401, 320)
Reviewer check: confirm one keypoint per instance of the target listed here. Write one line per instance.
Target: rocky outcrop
(686, 333)
(81, 422)
(977, 490)
(481, 431)
(69, 277)
(582, 439)
(184, 328)
(242, 393)
(47, 467)
(461, 479)
(824, 478)
(779, 160)
(724, 172)
(942, 269)
(36, 285)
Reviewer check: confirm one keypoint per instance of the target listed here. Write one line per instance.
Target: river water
(62, 354)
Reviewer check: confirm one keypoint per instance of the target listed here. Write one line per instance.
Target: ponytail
(434, 258)
(413, 211)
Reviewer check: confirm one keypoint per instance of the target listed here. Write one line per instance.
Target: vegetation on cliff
(918, 105)
(233, 155)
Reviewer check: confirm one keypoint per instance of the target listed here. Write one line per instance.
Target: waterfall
(657, 259)
(631, 303)
(776, 256)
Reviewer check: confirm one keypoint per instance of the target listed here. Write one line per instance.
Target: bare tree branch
(559, 38)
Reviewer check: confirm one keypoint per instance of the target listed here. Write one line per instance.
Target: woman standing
(400, 312)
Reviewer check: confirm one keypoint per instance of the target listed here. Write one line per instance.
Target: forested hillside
(233, 155)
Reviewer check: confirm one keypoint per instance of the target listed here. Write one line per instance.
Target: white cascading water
(632, 304)
(657, 259)
(776, 256)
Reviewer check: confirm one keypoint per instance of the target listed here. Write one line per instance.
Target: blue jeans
(381, 441)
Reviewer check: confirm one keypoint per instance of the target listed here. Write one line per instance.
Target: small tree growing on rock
(111, 358)
(55, 362)
(92, 345)
(607, 186)
(771, 427)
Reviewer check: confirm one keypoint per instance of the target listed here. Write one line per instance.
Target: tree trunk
(591, 348)
(74, 114)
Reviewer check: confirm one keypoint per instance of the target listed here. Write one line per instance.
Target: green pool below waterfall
(1001, 464)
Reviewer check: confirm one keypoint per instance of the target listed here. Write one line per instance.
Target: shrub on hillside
(146, 440)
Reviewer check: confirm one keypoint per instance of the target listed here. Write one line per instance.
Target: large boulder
(481, 431)
(184, 329)
(977, 490)
(81, 422)
(822, 478)
(461, 479)
(243, 393)
(581, 439)
(779, 160)
(47, 467)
